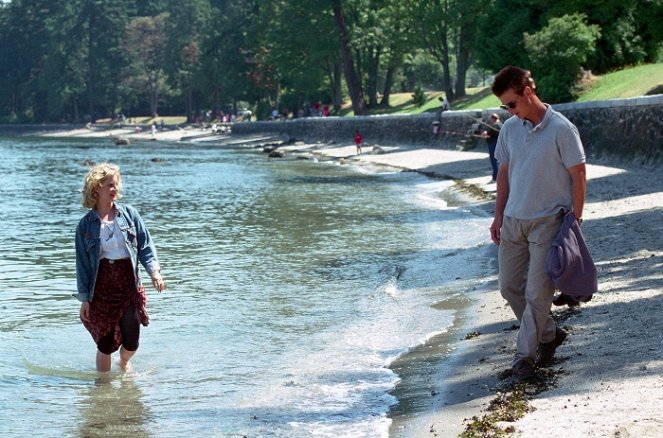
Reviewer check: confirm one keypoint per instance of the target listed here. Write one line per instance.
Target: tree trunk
(388, 83)
(463, 59)
(337, 92)
(351, 78)
(188, 105)
(373, 69)
(448, 90)
(90, 96)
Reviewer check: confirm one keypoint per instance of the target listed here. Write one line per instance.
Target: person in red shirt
(358, 141)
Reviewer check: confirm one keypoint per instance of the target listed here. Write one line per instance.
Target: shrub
(419, 96)
(558, 52)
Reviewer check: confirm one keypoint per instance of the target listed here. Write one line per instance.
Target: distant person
(358, 141)
(446, 106)
(154, 128)
(111, 240)
(541, 176)
(436, 130)
(494, 126)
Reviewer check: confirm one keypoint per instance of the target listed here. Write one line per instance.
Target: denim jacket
(88, 248)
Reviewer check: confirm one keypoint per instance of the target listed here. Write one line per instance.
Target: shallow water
(291, 286)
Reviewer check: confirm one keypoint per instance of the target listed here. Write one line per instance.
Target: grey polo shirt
(539, 158)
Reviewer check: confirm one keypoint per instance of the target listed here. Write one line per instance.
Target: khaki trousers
(524, 284)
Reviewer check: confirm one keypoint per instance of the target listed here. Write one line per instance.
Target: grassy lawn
(630, 82)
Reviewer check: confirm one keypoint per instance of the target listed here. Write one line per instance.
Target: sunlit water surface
(291, 286)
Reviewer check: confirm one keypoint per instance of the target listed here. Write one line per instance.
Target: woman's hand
(157, 281)
(85, 310)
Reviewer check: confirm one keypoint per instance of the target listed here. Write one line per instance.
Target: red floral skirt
(114, 293)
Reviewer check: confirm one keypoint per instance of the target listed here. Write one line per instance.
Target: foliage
(75, 60)
(558, 52)
(424, 69)
(500, 39)
(419, 97)
(145, 44)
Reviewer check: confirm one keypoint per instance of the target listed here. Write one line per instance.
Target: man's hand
(495, 229)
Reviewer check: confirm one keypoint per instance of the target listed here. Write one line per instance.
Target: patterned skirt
(114, 293)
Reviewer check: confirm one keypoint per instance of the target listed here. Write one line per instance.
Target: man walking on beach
(541, 176)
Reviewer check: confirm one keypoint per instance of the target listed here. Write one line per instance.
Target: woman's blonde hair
(95, 178)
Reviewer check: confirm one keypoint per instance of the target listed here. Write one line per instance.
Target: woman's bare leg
(103, 362)
(125, 357)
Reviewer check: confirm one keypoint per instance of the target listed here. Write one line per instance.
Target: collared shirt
(539, 158)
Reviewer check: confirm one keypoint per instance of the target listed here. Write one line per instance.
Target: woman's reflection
(114, 408)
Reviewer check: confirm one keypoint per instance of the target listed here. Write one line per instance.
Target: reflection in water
(114, 409)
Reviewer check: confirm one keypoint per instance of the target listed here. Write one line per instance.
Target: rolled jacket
(569, 263)
(88, 248)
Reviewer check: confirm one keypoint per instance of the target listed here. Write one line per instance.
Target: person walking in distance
(358, 141)
(494, 125)
(111, 240)
(541, 176)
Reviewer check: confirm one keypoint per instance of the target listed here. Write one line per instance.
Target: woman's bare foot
(125, 357)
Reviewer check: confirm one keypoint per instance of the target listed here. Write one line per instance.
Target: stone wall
(628, 128)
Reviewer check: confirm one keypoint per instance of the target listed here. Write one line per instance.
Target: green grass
(630, 82)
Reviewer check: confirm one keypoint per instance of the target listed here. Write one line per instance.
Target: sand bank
(609, 379)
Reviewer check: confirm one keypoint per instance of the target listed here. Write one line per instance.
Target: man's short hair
(511, 77)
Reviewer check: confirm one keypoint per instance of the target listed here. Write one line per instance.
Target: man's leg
(513, 260)
(537, 325)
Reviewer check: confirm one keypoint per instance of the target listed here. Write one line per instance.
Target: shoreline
(607, 371)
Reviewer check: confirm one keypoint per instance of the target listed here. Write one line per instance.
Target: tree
(351, 77)
(500, 37)
(145, 46)
(466, 28)
(104, 25)
(64, 77)
(24, 41)
(186, 27)
(436, 18)
(298, 42)
(558, 52)
(623, 32)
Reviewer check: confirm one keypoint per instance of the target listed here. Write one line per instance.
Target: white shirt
(113, 246)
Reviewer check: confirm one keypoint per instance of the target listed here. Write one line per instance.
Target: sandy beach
(607, 377)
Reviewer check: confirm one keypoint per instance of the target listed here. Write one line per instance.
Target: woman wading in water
(111, 239)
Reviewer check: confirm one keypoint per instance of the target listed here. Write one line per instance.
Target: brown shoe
(522, 370)
(563, 300)
(546, 353)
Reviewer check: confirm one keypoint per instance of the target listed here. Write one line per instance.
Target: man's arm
(578, 188)
(500, 202)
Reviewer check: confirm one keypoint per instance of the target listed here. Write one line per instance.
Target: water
(291, 286)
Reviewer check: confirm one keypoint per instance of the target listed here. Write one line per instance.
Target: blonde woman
(111, 239)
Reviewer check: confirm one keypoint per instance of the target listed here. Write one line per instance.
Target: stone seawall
(630, 129)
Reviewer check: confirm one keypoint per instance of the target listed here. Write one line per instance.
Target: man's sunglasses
(510, 105)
